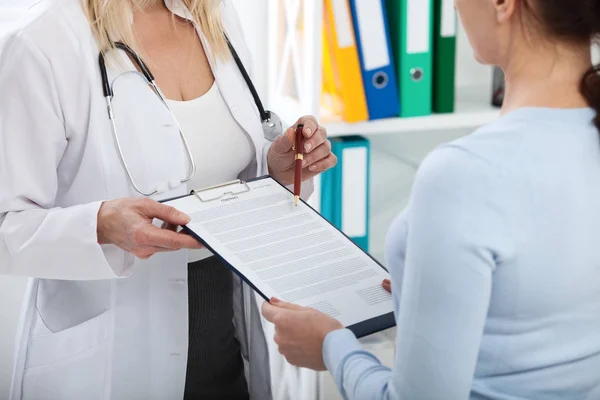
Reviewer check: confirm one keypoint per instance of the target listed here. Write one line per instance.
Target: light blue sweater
(495, 270)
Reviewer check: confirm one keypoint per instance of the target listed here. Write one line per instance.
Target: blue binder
(376, 58)
(345, 189)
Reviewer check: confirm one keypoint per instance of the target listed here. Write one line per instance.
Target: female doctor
(115, 311)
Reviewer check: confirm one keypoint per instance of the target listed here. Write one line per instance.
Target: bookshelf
(294, 78)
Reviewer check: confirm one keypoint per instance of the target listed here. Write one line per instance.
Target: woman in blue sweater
(495, 264)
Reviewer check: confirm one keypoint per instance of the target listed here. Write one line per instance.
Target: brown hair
(577, 21)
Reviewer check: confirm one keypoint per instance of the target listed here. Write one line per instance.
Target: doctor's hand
(127, 223)
(317, 152)
(300, 332)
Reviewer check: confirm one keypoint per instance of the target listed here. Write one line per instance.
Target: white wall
(253, 16)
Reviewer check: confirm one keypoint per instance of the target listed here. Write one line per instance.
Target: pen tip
(296, 199)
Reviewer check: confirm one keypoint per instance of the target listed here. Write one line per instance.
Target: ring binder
(198, 193)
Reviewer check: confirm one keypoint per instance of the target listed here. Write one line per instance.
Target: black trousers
(215, 368)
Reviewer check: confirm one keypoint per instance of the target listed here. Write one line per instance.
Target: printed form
(286, 251)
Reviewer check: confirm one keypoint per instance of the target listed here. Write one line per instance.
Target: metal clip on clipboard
(206, 198)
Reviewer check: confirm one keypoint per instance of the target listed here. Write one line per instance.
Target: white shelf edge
(429, 123)
(472, 111)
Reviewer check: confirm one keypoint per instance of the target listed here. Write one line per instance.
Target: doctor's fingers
(317, 154)
(321, 166)
(166, 240)
(310, 125)
(314, 135)
(146, 252)
(315, 140)
(170, 215)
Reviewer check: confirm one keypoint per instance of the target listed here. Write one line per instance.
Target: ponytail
(590, 89)
(577, 21)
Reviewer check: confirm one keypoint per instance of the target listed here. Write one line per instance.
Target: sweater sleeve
(455, 231)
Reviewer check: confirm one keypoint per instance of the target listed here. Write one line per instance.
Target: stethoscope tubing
(266, 116)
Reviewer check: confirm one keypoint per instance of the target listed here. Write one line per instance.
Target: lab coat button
(160, 189)
(173, 183)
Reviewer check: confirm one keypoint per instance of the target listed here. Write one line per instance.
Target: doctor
(114, 310)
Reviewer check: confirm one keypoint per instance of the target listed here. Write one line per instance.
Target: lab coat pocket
(81, 377)
(70, 364)
(71, 318)
(47, 349)
(64, 304)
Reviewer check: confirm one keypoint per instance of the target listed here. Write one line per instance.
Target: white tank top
(220, 147)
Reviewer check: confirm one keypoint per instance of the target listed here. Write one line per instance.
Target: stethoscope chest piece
(272, 126)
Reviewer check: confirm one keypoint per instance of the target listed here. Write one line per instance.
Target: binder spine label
(418, 16)
(343, 23)
(373, 37)
(354, 191)
(448, 22)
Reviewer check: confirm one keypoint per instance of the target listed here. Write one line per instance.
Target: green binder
(444, 47)
(412, 45)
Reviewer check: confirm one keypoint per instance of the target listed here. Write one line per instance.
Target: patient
(495, 264)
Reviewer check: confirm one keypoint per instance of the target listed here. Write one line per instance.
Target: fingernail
(313, 168)
(303, 163)
(186, 218)
(308, 132)
(387, 281)
(275, 300)
(307, 147)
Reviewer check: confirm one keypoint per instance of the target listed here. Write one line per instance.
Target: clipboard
(231, 189)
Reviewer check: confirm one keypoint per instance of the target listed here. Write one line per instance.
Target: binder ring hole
(380, 80)
(416, 74)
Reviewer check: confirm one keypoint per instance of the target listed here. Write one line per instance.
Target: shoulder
(50, 56)
(455, 166)
(231, 21)
(52, 28)
(507, 142)
(478, 163)
(491, 151)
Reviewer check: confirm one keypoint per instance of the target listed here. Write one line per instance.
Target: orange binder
(343, 90)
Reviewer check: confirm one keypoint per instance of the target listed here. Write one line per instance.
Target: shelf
(473, 110)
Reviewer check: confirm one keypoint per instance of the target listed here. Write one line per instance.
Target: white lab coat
(97, 322)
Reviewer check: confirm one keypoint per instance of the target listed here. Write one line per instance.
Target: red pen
(298, 147)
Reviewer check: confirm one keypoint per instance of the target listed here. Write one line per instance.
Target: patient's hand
(387, 285)
(300, 332)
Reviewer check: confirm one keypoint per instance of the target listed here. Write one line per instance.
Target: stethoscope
(271, 123)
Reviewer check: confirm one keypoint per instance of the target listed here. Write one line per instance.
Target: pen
(298, 146)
